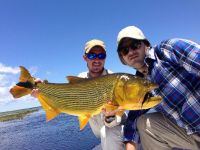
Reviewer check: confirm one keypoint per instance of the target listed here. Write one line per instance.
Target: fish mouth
(146, 97)
(150, 101)
(153, 86)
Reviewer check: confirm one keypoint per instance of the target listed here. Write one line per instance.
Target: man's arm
(181, 52)
(131, 136)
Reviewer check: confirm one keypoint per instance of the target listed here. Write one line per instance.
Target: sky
(48, 36)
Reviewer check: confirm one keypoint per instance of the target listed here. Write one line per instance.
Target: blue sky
(48, 36)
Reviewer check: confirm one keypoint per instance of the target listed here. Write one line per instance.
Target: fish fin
(25, 75)
(19, 91)
(83, 120)
(120, 113)
(121, 107)
(50, 111)
(74, 79)
(134, 106)
(110, 107)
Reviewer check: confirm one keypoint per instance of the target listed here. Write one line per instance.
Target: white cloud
(4, 80)
(7, 69)
(4, 95)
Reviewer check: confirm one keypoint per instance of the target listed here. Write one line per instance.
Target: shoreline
(17, 114)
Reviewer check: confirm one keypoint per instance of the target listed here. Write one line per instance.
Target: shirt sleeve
(130, 127)
(183, 52)
(83, 75)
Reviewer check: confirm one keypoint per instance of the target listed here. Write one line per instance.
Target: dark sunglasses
(93, 56)
(133, 45)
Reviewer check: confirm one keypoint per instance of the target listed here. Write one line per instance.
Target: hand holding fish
(111, 113)
(35, 92)
(112, 119)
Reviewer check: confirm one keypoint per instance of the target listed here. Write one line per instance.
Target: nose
(98, 59)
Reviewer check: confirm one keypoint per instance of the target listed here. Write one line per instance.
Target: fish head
(130, 93)
(136, 87)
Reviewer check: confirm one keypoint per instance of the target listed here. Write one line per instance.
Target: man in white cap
(174, 65)
(109, 128)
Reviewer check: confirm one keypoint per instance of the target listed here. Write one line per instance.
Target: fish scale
(86, 97)
(70, 97)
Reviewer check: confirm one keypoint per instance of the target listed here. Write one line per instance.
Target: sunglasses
(93, 56)
(133, 45)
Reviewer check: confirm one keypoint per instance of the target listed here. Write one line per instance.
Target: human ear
(84, 57)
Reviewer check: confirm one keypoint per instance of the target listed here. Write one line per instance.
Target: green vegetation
(18, 114)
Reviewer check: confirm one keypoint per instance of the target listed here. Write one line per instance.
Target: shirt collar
(105, 72)
(150, 53)
(150, 59)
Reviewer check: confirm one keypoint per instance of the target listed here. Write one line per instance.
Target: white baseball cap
(92, 43)
(131, 32)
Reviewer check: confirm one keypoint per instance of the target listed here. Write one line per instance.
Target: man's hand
(112, 115)
(35, 92)
(130, 146)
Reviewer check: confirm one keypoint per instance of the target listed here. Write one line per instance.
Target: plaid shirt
(175, 66)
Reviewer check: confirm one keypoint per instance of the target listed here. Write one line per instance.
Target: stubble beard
(97, 70)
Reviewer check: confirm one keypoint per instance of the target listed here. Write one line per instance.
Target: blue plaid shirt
(175, 66)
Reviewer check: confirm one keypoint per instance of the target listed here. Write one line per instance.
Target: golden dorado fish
(87, 97)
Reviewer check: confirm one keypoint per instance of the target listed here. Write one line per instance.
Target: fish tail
(24, 86)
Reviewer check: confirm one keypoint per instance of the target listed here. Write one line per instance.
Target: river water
(34, 133)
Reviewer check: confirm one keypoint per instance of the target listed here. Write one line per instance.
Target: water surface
(34, 133)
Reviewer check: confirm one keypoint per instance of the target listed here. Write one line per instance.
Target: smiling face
(133, 52)
(95, 66)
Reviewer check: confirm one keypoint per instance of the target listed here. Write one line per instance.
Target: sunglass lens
(102, 56)
(91, 56)
(125, 51)
(135, 45)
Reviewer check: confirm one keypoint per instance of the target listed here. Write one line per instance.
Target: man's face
(95, 65)
(133, 53)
